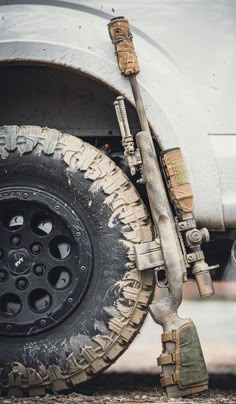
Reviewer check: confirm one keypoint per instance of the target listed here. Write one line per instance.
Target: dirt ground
(150, 395)
(138, 396)
(134, 388)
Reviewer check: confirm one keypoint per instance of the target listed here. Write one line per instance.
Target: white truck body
(186, 50)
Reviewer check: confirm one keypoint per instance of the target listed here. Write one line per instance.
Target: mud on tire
(37, 162)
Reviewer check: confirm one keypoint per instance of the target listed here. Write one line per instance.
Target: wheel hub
(19, 262)
(46, 261)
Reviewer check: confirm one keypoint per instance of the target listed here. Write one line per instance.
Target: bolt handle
(122, 39)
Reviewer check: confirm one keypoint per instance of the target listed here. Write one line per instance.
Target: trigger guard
(161, 284)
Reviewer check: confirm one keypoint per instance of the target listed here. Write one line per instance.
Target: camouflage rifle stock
(177, 244)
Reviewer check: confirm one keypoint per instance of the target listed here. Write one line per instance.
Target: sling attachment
(168, 359)
(169, 336)
(169, 380)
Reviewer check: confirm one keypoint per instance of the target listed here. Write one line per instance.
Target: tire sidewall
(110, 256)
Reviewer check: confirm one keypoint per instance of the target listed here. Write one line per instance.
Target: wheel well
(73, 103)
(63, 99)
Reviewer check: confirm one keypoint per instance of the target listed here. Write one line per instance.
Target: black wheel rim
(46, 261)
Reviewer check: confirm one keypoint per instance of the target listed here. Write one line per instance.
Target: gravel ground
(130, 388)
(138, 396)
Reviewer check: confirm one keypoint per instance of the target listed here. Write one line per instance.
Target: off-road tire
(115, 304)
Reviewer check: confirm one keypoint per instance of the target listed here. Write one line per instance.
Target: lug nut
(36, 249)
(39, 270)
(15, 241)
(43, 321)
(22, 283)
(3, 275)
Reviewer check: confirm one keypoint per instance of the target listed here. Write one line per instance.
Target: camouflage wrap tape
(192, 367)
(121, 37)
(190, 372)
(177, 180)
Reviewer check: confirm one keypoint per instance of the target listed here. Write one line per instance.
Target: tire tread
(136, 287)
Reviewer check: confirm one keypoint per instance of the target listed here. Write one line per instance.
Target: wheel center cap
(19, 261)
